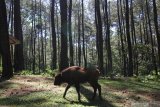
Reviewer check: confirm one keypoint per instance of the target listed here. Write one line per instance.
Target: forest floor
(39, 91)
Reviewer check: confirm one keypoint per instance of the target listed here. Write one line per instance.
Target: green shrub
(148, 78)
(49, 72)
(26, 72)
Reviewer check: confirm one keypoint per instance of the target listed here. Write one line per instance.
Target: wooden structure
(13, 40)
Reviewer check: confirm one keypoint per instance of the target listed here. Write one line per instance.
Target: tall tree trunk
(70, 34)
(84, 54)
(39, 27)
(58, 35)
(108, 45)
(39, 53)
(99, 35)
(42, 38)
(121, 37)
(7, 71)
(64, 45)
(130, 64)
(54, 43)
(45, 45)
(151, 36)
(10, 26)
(79, 40)
(34, 36)
(76, 41)
(18, 54)
(134, 42)
(156, 28)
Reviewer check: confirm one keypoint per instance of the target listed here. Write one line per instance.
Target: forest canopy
(120, 37)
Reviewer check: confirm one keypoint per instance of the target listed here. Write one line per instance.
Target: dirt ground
(23, 85)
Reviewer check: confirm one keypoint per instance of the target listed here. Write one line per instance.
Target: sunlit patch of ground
(39, 91)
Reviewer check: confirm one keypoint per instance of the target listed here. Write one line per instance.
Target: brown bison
(75, 75)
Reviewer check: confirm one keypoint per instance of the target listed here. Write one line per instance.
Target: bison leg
(99, 90)
(95, 89)
(78, 89)
(68, 86)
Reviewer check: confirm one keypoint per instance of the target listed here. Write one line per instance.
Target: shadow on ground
(20, 102)
(88, 95)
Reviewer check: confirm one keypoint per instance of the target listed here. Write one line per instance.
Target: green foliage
(148, 78)
(117, 63)
(142, 49)
(26, 72)
(142, 52)
(144, 67)
(49, 72)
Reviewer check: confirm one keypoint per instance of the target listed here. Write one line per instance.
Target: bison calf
(75, 75)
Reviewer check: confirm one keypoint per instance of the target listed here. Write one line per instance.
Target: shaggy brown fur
(76, 75)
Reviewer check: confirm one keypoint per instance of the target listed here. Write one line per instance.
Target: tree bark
(64, 50)
(108, 44)
(84, 54)
(7, 71)
(70, 34)
(156, 28)
(130, 64)
(99, 35)
(121, 37)
(79, 39)
(18, 53)
(54, 43)
(151, 37)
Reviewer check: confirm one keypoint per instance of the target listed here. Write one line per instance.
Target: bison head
(58, 79)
